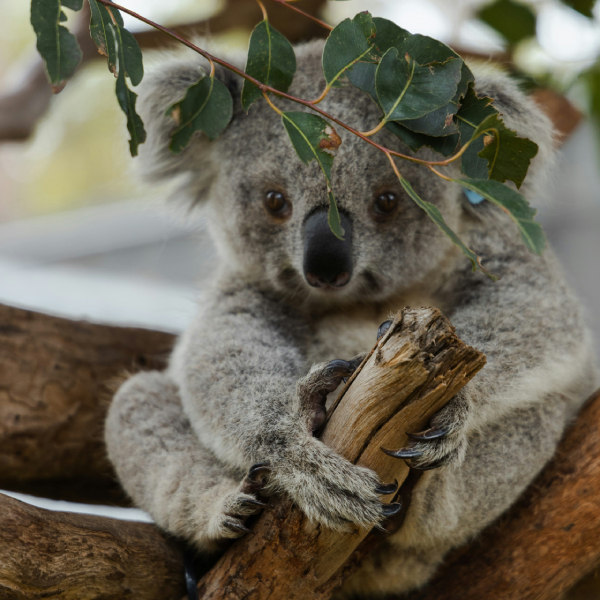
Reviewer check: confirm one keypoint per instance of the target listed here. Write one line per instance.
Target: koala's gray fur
(237, 390)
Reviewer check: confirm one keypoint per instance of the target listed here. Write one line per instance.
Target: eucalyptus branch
(287, 4)
(266, 88)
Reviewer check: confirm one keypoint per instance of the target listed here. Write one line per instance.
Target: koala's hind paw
(323, 379)
(443, 444)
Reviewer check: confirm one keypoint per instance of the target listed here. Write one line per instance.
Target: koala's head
(269, 210)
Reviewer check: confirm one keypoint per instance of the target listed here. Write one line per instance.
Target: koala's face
(271, 210)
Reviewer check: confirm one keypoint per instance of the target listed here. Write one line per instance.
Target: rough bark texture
(412, 372)
(548, 540)
(46, 554)
(55, 386)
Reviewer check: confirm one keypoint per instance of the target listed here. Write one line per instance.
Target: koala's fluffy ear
(521, 114)
(166, 84)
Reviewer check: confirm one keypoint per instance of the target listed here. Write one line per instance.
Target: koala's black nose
(327, 259)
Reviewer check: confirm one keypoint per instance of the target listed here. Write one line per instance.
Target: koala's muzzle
(327, 259)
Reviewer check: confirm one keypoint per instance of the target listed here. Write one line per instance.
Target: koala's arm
(241, 369)
(166, 471)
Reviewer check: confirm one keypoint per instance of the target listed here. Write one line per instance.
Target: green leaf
(446, 145)
(132, 57)
(63, 17)
(313, 138)
(135, 125)
(508, 156)
(582, 6)
(512, 20)
(127, 61)
(472, 112)
(348, 43)
(72, 4)
(515, 205)
(102, 32)
(388, 35)
(436, 216)
(407, 90)
(207, 106)
(59, 48)
(438, 122)
(271, 60)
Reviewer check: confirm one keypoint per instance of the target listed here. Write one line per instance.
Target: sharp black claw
(391, 509)
(256, 502)
(340, 367)
(429, 434)
(403, 453)
(434, 465)
(257, 469)
(383, 329)
(239, 527)
(387, 488)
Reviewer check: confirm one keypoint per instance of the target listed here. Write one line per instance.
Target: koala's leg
(167, 472)
(239, 368)
(451, 505)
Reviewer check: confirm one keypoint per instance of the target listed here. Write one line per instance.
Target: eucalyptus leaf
(58, 47)
(436, 216)
(407, 90)
(514, 21)
(72, 4)
(445, 145)
(207, 106)
(132, 57)
(101, 32)
(388, 35)
(348, 43)
(271, 60)
(63, 17)
(313, 138)
(515, 205)
(438, 122)
(135, 126)
(508, 155)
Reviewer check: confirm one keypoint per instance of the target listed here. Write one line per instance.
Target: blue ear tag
(472, 197)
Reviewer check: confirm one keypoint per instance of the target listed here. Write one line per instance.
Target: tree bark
(65, 556)
(411, 373)
(56, 380)
(548, 541)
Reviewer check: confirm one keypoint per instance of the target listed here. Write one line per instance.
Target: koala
(293, 308)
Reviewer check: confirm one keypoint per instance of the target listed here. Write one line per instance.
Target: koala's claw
(429, 434)
(256, 472)
(385, 489)
(391, 509)
(255, 502)
(383, 329)
(403, 453)
(237, 526)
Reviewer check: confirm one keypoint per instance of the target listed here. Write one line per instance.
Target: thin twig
(305, 14)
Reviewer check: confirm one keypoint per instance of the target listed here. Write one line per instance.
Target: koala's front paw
(228, 520)
(323, 379)
(329, 489)
(443, 444)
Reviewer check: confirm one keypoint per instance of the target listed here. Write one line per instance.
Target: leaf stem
(322, 96)
(266, 95)
(300, 11)
(434, 170)
(264, 10)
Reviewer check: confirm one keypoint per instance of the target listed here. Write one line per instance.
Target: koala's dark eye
(385, 204)
(276, 204)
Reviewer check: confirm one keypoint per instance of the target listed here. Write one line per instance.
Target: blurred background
(80, 237)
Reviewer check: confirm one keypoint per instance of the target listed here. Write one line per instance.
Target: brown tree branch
(412, 372)
(45, 554)
(548, 541)
(55, 386)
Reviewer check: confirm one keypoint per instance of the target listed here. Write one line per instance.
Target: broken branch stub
(416, 367)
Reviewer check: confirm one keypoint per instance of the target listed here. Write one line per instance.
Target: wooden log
(45, 554)
(411, 373)
(55, 386)
(548, 541)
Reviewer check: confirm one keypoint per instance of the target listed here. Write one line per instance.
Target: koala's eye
(276, 204)
(385, 203)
